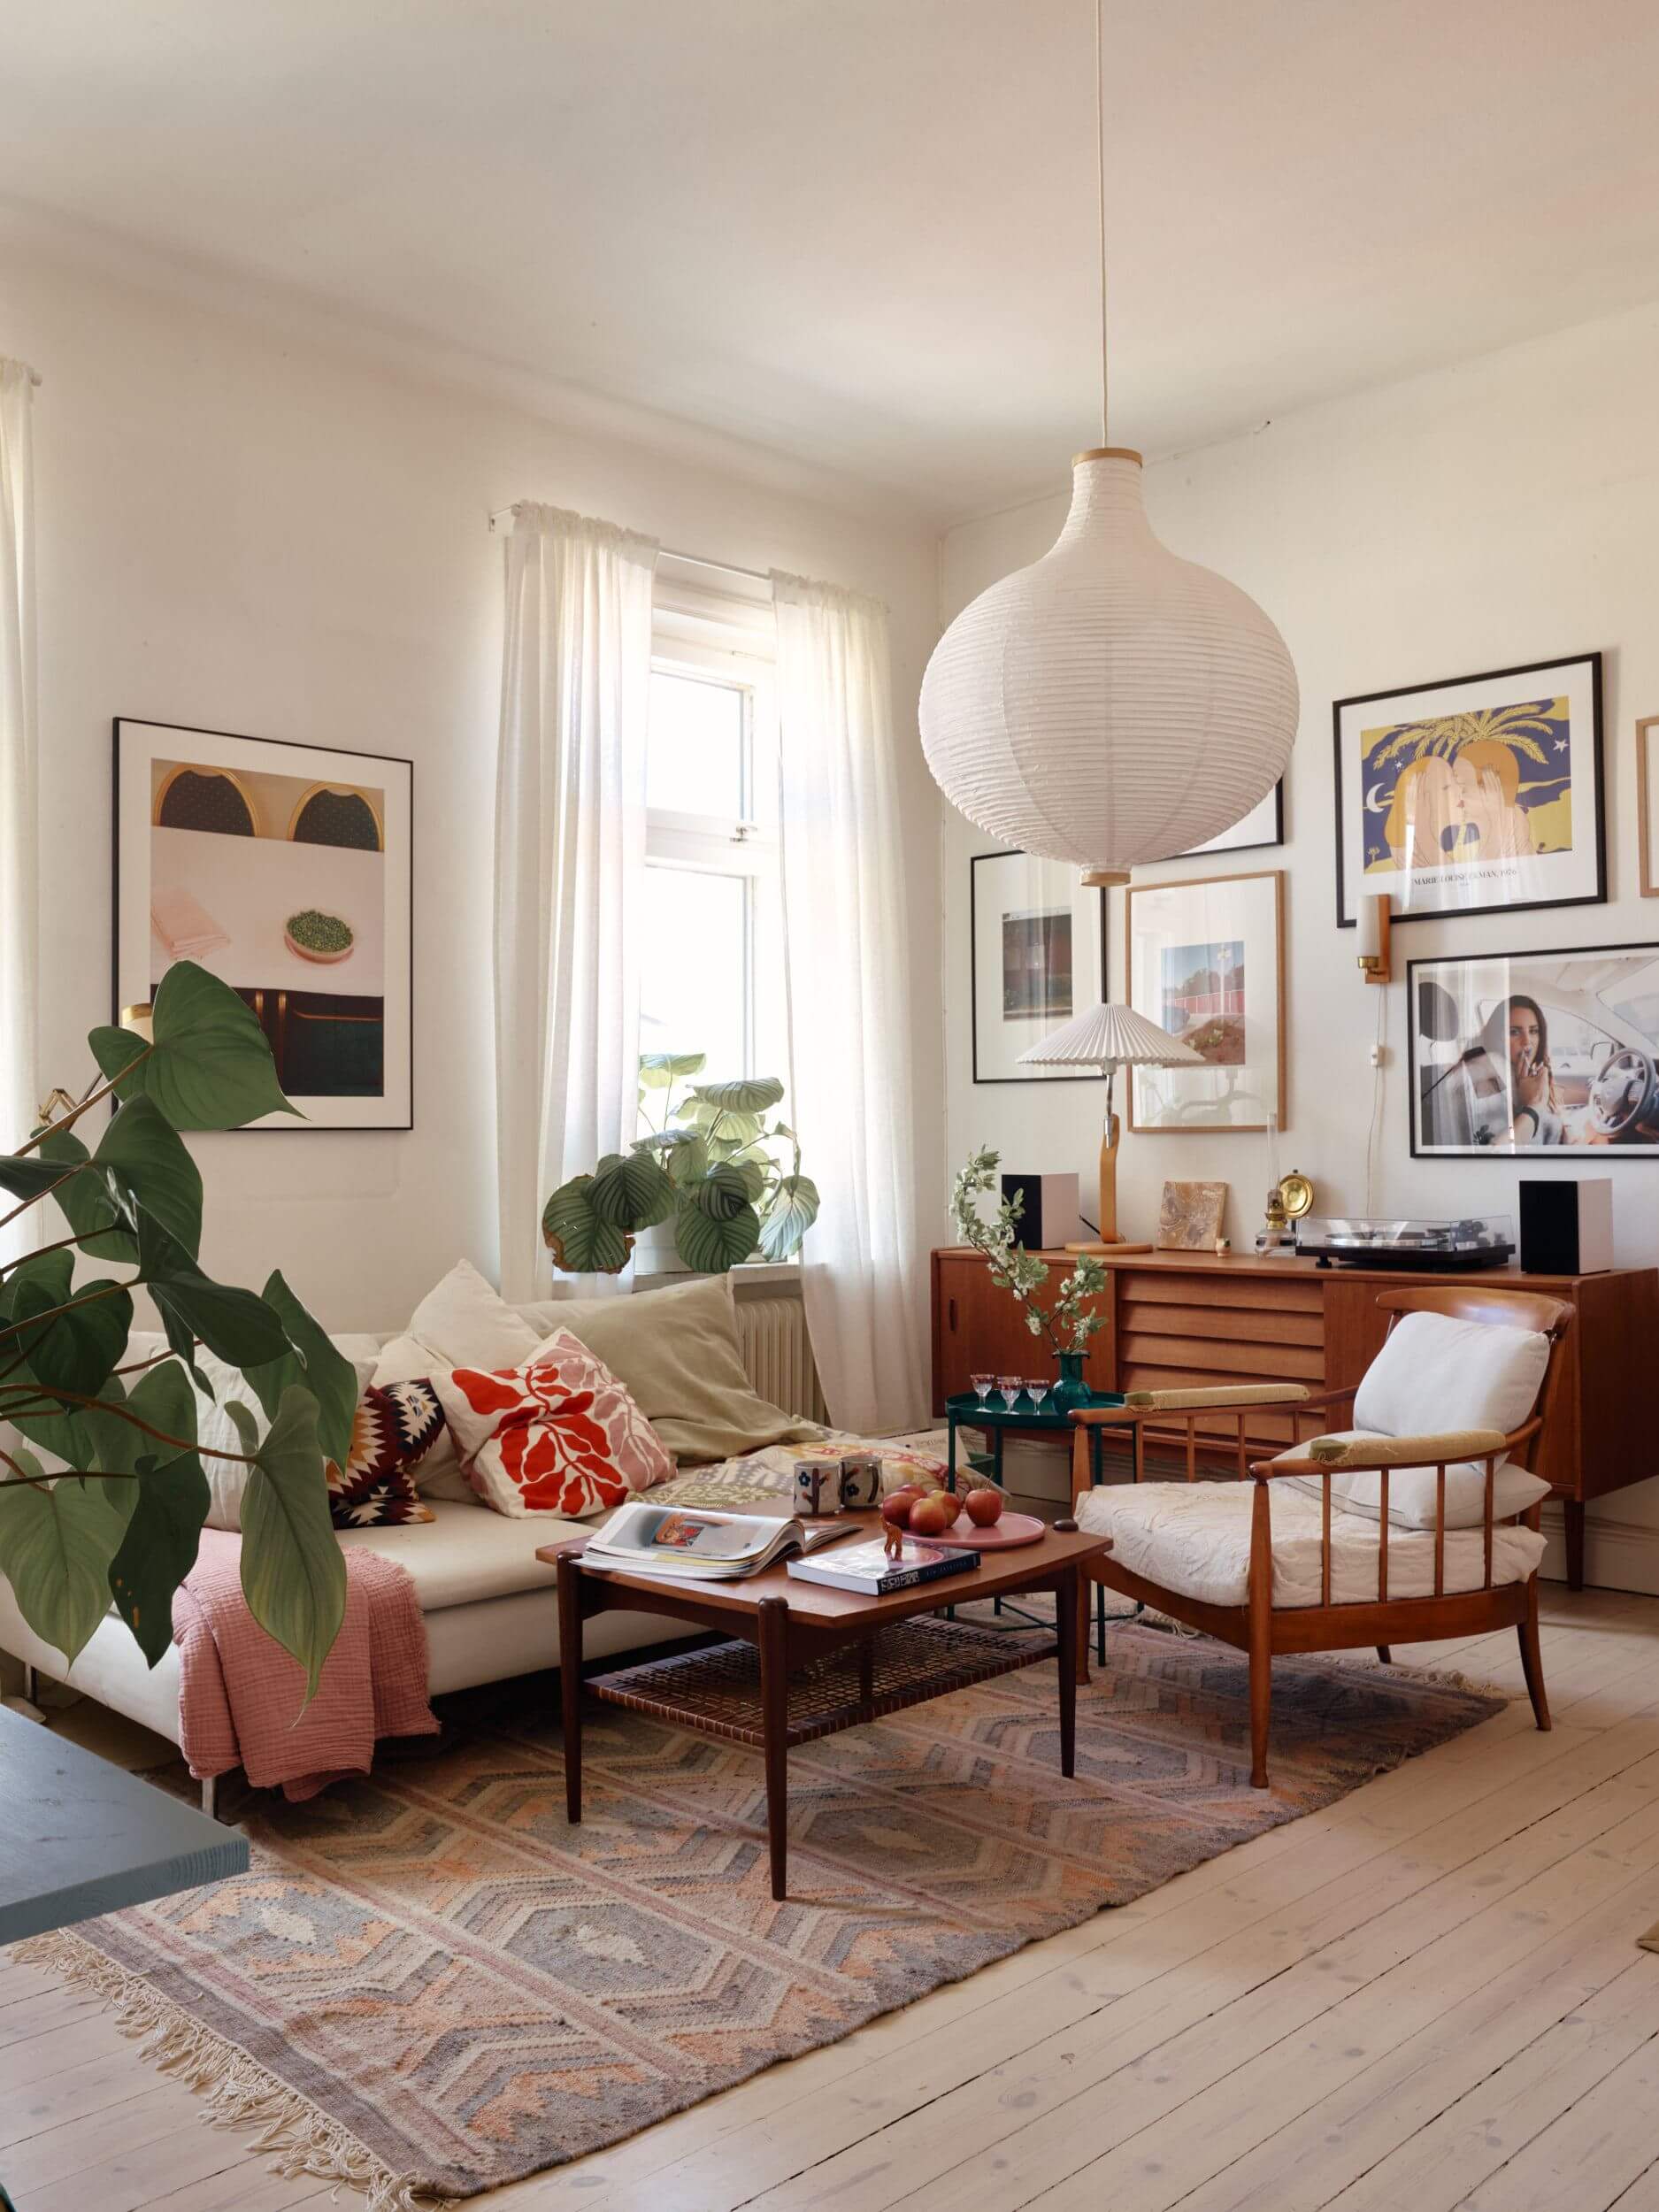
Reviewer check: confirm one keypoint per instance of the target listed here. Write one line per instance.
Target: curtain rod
(503, 515)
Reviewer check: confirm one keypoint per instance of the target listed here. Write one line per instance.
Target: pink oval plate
(1006, 1534)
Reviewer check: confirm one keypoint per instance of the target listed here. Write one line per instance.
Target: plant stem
(50, 1191)
(61, 1245)
(91, 1098)
(71, 1305)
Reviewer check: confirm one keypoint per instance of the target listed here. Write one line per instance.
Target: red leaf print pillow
(558, 1435)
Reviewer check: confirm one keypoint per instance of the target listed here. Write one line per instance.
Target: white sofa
(488, 1602)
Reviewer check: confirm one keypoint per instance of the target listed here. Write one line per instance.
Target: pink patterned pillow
(558, 1435)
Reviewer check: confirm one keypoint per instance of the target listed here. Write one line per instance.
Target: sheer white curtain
(845, 941)
(20, 916)
(570, 863)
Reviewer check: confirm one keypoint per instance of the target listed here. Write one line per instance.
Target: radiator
(778, 1355)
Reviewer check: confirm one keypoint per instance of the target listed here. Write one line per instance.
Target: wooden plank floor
(1427, 1996)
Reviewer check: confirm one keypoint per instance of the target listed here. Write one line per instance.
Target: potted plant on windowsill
(712, 1179)
(1067, 1324)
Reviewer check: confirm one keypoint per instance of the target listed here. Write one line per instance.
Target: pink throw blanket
(240, 1694)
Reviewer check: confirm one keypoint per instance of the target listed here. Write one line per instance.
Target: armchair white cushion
(1411, 1489)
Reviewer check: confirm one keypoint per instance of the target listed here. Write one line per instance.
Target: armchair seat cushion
(1411, 1490)
(1193, 1539)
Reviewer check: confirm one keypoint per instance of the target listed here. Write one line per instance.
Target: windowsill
(758, 1272)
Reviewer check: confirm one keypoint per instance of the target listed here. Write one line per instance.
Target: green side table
(1020, 1419)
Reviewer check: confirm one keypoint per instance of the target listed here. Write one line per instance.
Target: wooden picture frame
(1473, 795)
(1647, 796)
(1239, 920)
(1012, 906)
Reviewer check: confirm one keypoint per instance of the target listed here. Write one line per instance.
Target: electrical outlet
(1379, 1055)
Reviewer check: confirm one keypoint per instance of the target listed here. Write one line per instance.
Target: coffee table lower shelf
(716, 1692)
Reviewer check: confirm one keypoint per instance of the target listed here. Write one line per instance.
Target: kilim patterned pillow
(394, 1429)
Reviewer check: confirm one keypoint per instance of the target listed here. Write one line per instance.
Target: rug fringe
(236, 2093)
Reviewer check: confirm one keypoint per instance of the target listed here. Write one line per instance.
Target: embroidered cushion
(393, 1431)
(557, 1435)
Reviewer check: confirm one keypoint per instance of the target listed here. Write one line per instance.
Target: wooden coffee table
(807, 1662)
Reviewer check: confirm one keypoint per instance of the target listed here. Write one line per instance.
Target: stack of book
(870, 1567)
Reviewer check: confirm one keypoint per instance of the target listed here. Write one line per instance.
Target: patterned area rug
(429, 1983)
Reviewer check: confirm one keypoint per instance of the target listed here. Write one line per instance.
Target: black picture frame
(285, 1124)
(1597, 897)
(1089, 1075)
(1213, 851)
(1582, 1155)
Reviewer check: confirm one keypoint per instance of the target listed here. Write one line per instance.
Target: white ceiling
(862, 230)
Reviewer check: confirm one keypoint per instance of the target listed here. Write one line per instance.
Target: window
(712, 968)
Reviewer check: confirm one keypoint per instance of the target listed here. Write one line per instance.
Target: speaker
(1050, 1218)
(1567, 1228)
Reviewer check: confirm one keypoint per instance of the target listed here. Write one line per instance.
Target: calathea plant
(712, 1165)
(1068, 1323)
(119, 1514)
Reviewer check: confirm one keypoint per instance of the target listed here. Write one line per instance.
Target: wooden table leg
(1084, 1585)
(571, 1682)
(1066, 1600)
(775, 1704)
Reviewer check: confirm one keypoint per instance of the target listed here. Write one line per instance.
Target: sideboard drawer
(1176, 1334)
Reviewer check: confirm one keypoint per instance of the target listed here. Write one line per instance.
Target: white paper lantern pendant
(1111, 704)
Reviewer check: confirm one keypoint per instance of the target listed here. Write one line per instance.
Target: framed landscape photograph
(1263, 825)
(1536, 1052)
(285, 870)
(1039, 956)
(1207, 963)
(1475, 794)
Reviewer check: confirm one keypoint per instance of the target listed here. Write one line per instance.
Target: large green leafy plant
(119, 1515)
(731, 1185)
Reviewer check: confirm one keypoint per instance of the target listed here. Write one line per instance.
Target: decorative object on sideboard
(1190, 1217)
(1373, 951)
(1110, 1038)
(1111, 704)
(1207, 961)
(1567, 1226)
(1051, 1212)
(287, 871)
(1289, 1200)
(1069, 1321)
(1413, 1246)
(1475, 794)
(1037, 952)
(1535, 1053)
(711, 1174)
(1647, 802)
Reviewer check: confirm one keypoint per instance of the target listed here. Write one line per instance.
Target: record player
(1472, 1241)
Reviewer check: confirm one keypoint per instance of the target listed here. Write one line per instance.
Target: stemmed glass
(983, 1386)
(1011, 1387)
(1037, 1390)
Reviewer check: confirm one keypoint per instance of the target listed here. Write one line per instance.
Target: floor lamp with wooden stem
(1110, 1038)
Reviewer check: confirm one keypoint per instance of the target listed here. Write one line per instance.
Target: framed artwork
(1039, 956)
(1263, 825)
(285, 870)
(1207, 963)
(1475, 795)
(1648, 800)
(1535, 1052)
(1190, 1217)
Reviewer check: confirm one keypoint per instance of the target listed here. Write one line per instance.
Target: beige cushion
(468, 1324)
(1435, 1373)
(465, 1554)
(677, 1353)
(1220, 1395)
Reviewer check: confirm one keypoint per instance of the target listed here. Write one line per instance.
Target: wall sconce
(1376, 911)
(140, 1020)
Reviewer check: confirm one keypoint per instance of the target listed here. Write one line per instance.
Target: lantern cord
(1099, 193)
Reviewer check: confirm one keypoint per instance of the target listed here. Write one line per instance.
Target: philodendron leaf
(40, 1283)
(57, 1540)
(743, 1094)
(711, 1243)
(210, 1066)
(76, 1351)
(579, 1242)
(292, 1570)
(312, 1362)
(158, 1548)
(793, 1211)
(28, 1175)
(232, 1323)
(632, 1193)
(146, 1166)
(85, 1202)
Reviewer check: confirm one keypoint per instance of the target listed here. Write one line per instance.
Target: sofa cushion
(439, 1474)
(465, 1555)
(677, 1353)
(392, 1432)
(216, 1431)
(1411, 1490)
(1434, 1374)
(468, 1324)
(1192, 1539)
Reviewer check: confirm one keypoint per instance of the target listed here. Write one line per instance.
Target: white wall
(1494, 514)
(251, 522)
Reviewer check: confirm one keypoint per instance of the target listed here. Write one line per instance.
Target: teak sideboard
(1184, 1319)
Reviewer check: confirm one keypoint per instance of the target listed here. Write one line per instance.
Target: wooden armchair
(1367, 1537)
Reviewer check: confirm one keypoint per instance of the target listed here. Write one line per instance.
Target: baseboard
(1617, 1555)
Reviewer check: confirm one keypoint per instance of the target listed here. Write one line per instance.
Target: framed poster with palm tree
(1473, 795)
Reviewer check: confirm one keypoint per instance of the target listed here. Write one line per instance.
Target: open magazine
(694, 1543)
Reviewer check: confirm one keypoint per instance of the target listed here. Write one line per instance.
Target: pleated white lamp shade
(1109, 1036)
(1111, 704)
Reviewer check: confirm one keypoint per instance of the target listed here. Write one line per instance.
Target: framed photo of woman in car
(1473, 795)
(1535, 1052)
